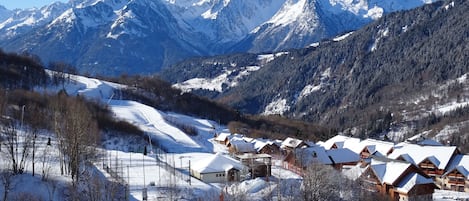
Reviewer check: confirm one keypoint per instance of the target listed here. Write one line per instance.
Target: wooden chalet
(241, 147)
(457, 176)
(369, 147)
(400, 180)
(432, 160)
(290, 144)
(223, 138)
(299, 159)
(266, 146)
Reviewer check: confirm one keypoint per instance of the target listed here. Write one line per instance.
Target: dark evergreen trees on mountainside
(20, 71)
(371, 73)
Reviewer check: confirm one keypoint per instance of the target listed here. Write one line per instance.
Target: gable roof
(411, 180)
(243, 147)
(217, 163)
(388, 171)
(415, 154)
(429, 142)
(343, 155)
(461, 163)
(311, 155)
(340, 141)
(373, 146)
(422, 140)
(291, 142)
(260, 143)
(222, 137)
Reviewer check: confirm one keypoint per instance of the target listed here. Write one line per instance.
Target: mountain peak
(182, 28)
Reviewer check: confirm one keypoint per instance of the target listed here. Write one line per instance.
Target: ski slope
(150, 120)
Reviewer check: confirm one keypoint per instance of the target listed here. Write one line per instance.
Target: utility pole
(144, 192)
(190, 172)
(127, 194)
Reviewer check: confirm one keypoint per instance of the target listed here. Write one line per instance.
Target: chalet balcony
(459, 181)
(432, 173)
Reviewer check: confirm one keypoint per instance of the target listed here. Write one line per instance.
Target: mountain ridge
(397, 65)
(144, 36)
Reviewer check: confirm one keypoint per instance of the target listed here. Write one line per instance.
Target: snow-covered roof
(343, 155)
(235, 138)
(429, 142)
(217, 163)
(412, 180)
(382, 147)
(311, 155)
(243, 147)
(292, 142)
(222, 137)
(388, 171)
(415, 154)
(260, 143)
(341, 142)
(421, 140)
(461, 163)
(248, 139)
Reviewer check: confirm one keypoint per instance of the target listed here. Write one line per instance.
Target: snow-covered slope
(300, 22)
(153, 122)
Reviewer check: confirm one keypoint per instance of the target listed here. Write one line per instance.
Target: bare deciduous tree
(17, 147)
(77, 133)
(320, 182)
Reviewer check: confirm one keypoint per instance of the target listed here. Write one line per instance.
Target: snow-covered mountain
(18, 22)
(142, 36)
(404, 63)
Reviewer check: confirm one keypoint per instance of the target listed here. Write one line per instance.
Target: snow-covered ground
(164, 174)
(444, 195)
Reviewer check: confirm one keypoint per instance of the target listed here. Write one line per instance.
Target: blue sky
(12, 4)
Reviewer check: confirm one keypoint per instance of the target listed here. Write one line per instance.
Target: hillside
(396, 73)
(70, 137)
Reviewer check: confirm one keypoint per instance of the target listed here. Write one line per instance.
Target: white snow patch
(266, 58)
(449, 130)
(446, 195)
(405, 28)
(309, 89)
(450, 5)
(443, 109)
(342, 37)
(225, 80)
(316, 44)
(276, 107)
(382, 33)
(288, 13)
